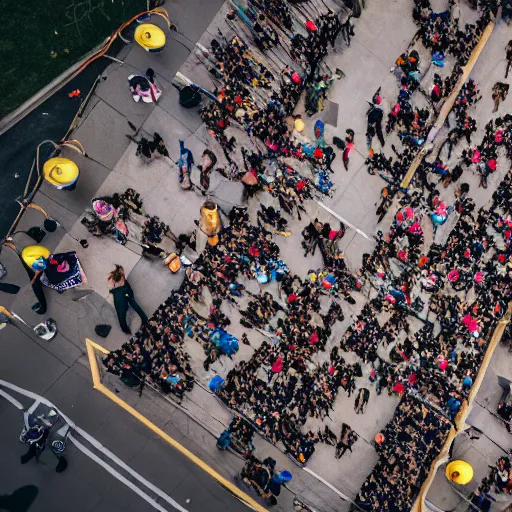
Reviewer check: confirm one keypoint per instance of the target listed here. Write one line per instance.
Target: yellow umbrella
(61, 172)
(460, 472)
(150, 37)
(32, 253)
(299, 125)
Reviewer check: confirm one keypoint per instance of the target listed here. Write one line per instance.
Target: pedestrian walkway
(112, 166)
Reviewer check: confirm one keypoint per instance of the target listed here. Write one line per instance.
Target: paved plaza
(59, 370)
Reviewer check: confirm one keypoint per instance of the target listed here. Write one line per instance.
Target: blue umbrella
(216, 383)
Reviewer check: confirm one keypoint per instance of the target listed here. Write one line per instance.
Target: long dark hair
(117, 274)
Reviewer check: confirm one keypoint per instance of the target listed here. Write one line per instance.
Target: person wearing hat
(123, 298)
(34, 259)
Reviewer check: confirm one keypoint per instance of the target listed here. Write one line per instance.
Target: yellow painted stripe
(96, 378)
(460, 420)
(448, 104)
(5, 312)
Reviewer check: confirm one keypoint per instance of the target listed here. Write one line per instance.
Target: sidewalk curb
(448, 104)
(97, 384)
(96, 375)
(460, 420)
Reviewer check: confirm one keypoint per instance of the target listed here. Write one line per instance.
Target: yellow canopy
(149, 36)
(460, 472)
(32, 253)
(60, 172)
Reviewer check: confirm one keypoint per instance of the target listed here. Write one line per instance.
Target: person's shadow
(20, 500)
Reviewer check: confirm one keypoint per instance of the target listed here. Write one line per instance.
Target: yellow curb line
(97, 384)
(448, 104)
(5, 312)
(460, 420)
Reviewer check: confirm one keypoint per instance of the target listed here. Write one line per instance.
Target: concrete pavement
(86, 483)
(112, 167)
(57, 370)
(79, 488)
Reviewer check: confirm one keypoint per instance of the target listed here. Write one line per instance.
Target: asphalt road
(49, 121)
(57, 372)
(82, 487)
(86, 486)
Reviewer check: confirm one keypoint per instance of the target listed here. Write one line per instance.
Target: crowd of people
(264, 478)
(440, 33)
(258, 87)
(440, 365)
(499, 481)
(406, 447)
(456, 289)
(466, 278)
(238, 436)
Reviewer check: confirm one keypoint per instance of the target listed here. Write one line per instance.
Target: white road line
(325, 482)
(63, 430)
(33, 407)
(93, 442)
(341, 219)
(11, 399)
(116, 474)
(128, 469)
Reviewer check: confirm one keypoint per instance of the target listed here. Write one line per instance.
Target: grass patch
(41, 39)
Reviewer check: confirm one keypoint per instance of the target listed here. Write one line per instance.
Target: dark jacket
(122, 294)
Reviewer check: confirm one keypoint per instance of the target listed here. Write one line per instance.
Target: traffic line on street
(94, 442)
(119, 477)
(33, 407)
(99, 386)
(326, 483)
(63, 431)
(11, 399)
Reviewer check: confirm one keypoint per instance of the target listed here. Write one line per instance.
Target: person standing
(499, 93)
(509, 57)
(361, 400)
(123, 298)
(349, 145)
(436, 93)
(374, 124)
